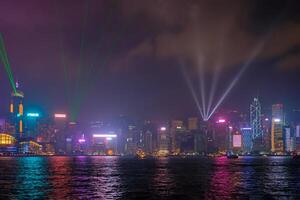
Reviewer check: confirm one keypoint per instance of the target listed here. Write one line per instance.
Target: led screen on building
(237, 141)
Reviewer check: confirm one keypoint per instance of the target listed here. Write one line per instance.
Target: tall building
(288, 139)
(256, 126)
(277, 145)
(201, 139)
(132, 136)
(17, 112)
(46, 135)
(247, 139)
(267, 126)
(297, 139)
(163, 141)
(60, 126)
(221, 136)
(176, 130)
(32, 124)
(148, 142)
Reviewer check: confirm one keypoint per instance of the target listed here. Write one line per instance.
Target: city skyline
(75, 51)
(149, 99)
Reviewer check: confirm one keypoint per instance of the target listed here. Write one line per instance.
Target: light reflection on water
(86, 177)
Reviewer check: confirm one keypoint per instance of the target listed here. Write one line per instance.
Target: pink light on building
(163, 128)
(221, 121)
(237, 141)
(60, 115)
(81, 140)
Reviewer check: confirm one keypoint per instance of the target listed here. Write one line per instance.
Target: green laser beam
(95, 73)
(79, 83)
(5, 61)
(82, 39)
(63, 62)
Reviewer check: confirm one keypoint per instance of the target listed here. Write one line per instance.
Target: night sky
(104, 58)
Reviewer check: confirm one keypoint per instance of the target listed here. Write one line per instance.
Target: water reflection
(222, 181)
(32, 178)
(278, 178)
(60, 169)
(105, 179)
(163, 178)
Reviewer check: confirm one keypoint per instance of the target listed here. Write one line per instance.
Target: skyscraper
(247, 139)
(221, 136)
(255, 119)
(17, 112)
(288, 139)
(163, 141)
(176, 130)
(277, 145)
(297, 139)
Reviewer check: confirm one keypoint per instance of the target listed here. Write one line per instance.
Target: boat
(296, 156)
(231, 155)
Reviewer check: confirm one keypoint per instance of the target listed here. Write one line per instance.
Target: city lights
(60, 115)
(277, 120)
(81, 140)
(221, 121)
(149, 99)
(6, 139)
(247, 128)
(163, 128)
(33, 115)
(104, 135)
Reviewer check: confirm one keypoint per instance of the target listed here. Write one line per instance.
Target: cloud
(217, 32)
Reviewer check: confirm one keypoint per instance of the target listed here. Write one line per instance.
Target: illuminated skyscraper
(288, 139)
(60, 127)
(163, 141)
(221, 136)
(17, 112)
(176, 130)
(255, 118)
(256, 126)
(277, 145)
(131, 139)
(247, 139)
(297, 139)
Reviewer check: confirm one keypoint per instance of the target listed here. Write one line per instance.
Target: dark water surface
(86, 177)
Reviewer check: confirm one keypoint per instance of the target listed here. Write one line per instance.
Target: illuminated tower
(255, 119)
(163, 141)
(17, 112)
(175, 132)
(277, 129)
